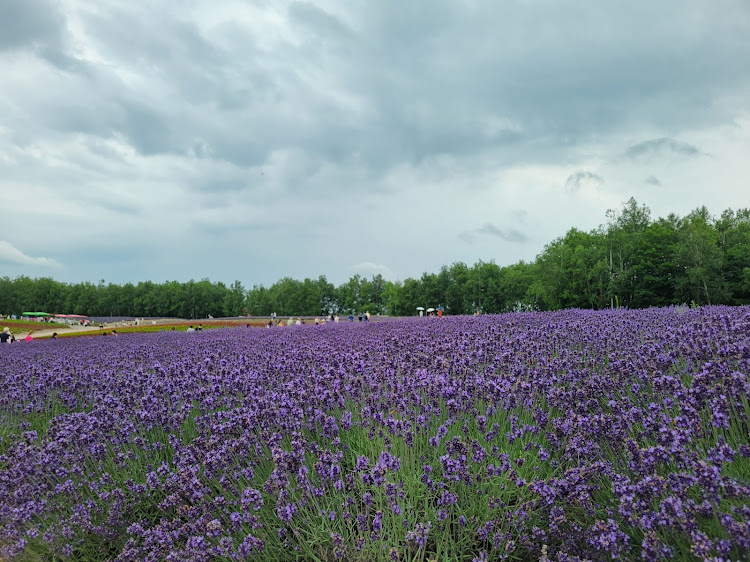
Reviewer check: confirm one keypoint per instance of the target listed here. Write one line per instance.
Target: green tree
(624, 233)
(700, 258)
(733, 238)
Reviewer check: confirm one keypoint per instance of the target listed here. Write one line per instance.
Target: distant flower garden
(534, 436)
(162, 327)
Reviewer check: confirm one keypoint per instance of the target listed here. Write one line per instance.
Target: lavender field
(539, 436)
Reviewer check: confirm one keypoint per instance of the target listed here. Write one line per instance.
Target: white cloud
(10, 254)
(368, 268)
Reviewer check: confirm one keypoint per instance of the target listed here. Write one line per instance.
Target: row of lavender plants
(535, 436)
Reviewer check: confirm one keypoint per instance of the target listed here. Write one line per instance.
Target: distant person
(290, 322)
(199, 328)
(190, 329)
(421, 313)
(173, 328)
(114, 332)
(54, 335)
(351, 318)
(317, 321)
(440, 312)
(5, 335)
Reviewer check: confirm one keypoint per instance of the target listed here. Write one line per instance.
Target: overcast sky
(252, 140)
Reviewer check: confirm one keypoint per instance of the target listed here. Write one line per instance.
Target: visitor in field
(191, 329)
(5, 335)
(54, 335)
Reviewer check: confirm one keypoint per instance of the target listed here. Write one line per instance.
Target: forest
(631, 261)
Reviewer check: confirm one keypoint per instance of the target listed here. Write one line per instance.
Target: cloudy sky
(257, 139)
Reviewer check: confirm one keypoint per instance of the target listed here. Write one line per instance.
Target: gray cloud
(512, 235)
(507, 234)
(29, 23)
(148, 132)
(519, 215)
(384, 97)
(322, 23)
(234, 228)
(118, 205)
(653, 180)
(39, 27)
(661, 147)
(582, 178)
(321, 116)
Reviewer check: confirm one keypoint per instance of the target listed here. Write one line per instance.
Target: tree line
(631, 261)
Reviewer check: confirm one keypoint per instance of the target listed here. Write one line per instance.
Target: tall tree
(700, 257)
(624, 233)
(733, 238)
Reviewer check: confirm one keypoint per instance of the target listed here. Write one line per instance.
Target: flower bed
(152, 328)
(599, 435)
(26, 325)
